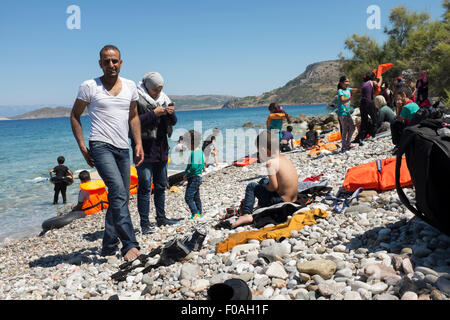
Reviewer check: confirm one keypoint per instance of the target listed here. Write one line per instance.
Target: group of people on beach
(379, 104)
(119, 109)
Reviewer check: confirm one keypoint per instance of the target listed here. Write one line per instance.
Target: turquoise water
(29, 148)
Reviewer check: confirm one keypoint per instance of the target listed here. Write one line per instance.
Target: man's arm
(135, 128)
(75, 121)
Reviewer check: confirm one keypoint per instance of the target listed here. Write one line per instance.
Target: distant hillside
(46, 112)
(189, 102)
(316, 85)
(200, 102)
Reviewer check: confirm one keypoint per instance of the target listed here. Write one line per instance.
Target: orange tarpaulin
(297, 222)
(382, 68)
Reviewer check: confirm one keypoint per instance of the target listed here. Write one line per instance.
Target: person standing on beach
(275, 118)
(193, 174)
(111, 102)
(60, 171)
(209, 147)
(157, 116)
(343, 112)
(422, 87)
(367, 107)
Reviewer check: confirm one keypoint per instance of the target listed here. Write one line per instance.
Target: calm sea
(29, 148)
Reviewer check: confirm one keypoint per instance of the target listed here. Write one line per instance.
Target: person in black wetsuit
(60, 171)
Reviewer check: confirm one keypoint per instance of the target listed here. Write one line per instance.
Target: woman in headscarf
(157, 116)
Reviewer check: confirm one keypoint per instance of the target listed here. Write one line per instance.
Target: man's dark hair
(289, 128)
(60, 159)
(109, 47)
(192, 139)
(310, 126)
(84, 175)
(404, 88)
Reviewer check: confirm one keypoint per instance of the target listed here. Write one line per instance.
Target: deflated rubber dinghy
(61, 221)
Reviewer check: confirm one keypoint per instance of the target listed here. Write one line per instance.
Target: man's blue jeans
(192, 196)
(259, 191)
(113, 166)
(147, 170)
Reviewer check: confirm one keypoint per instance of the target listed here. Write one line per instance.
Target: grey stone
(408, 295)
(190, 271)
(443, 284)
(426, 270)
(421, 251)
(385, 296)
(324, 268)
(346, 273)
(352, 295)
(276, 270)
(327, 289)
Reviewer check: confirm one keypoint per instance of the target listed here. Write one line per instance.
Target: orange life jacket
(244, 162)
(377, 175)
(335, 136)
(133, 180)
(98, 196)
(273, 116)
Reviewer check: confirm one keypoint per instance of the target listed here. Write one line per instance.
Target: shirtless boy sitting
(280, 186)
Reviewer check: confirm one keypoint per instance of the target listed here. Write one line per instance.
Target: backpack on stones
(431, 112)
(428, 160)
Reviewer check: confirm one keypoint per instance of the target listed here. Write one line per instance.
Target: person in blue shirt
(345, 120)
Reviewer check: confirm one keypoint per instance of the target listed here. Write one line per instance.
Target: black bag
(430, 112)
(428, 160)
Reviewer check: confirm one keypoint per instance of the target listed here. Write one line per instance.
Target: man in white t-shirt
(111, 102)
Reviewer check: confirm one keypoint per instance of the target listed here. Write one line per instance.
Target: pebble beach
(375, 250)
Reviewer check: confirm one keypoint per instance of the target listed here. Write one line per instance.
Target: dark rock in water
(248, 124)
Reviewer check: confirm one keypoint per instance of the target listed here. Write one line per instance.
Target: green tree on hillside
(414, 42)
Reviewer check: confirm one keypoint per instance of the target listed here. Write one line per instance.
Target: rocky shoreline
(375, 250)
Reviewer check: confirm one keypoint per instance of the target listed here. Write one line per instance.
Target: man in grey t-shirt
(111, 102)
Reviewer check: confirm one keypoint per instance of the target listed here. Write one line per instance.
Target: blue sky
(235, 47)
